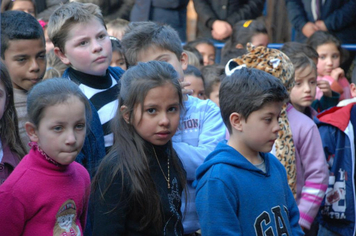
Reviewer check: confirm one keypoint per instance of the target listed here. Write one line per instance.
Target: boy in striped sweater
(78, 32)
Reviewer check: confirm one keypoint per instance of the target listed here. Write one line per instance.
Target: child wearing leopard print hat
(298, 146)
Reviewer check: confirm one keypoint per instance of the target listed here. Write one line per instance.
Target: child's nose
(164, 121)
(34, 67)
(276, 126)
(71, 138)
(97, 47)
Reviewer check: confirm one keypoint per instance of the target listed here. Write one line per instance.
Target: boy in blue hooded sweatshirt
(241, 188)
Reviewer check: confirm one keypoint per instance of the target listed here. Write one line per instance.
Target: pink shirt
(344, 83)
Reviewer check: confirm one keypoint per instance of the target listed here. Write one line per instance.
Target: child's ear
(126, 114)
(239, 46)
(31, 131)
(61, 55)
(184, 60)
(236, 121)
(353, 90)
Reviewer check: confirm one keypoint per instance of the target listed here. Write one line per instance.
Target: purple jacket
(312, 170)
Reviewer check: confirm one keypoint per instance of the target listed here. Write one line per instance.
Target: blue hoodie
(236, 198)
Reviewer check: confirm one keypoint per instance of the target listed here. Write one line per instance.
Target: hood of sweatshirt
(225, 154)
(336, 116)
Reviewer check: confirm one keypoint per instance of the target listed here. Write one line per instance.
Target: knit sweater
(20, 99)
(40, 198)
(236, 198)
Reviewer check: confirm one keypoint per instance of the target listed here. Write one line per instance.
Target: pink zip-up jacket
(312, 170)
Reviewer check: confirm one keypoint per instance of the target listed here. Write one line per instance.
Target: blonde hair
(118, 27)
(64, 18)
(193, 59)
(55, 67)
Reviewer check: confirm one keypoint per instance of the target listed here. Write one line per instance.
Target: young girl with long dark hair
(137, 189)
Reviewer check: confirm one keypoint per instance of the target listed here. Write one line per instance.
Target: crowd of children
(117, 130)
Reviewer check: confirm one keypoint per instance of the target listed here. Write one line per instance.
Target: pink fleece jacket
(40, 198)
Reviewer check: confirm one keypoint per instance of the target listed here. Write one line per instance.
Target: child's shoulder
(298, 119)
(81, 171)
(202, 105)
(117, 72)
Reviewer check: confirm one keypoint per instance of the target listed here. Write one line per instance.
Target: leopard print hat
(269, 60)
(277, 64)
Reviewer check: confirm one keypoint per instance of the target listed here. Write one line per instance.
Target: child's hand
(337, 73)
(185, 91)
(324, 86)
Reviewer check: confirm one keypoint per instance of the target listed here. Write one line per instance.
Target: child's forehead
(153, 52)
(25, 46)
(305, 72)
(271, 107)
(93, 23)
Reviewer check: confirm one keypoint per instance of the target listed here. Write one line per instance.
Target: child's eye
(102, 36)
(268, 120)
(322, 57)
(172, 109)
(335, 56)
(80, 126)
(42, 56)
(151, 111)
(57, 128)
(83, 43)
(21, 59)
(297, 84)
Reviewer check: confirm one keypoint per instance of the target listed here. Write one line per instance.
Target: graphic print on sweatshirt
(189, 125)
(335, 196)
(263, 223)
(65, 220)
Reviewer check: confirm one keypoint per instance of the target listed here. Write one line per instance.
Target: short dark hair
(292, 48)
(213, 74)
(322, 37)
(192, 70)
(144, 35)
(6, 5)
(17, 25)
(248, 90)
(244, 30)
(231, 53)
(198, 41)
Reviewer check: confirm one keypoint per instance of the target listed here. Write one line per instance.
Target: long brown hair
(128, 151)
(9, 130)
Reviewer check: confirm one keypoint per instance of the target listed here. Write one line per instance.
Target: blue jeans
(325, 232)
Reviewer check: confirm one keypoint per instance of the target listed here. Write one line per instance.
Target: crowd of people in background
(113, 123)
